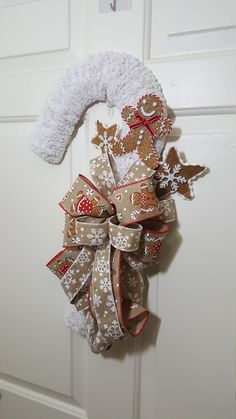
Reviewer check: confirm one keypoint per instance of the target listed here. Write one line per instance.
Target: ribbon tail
(128, 290)
(135, 317)
(102, 302)
(74, 271)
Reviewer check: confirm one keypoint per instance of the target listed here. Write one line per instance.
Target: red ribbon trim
(145, 122)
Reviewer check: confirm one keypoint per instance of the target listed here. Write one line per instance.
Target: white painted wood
(33, 27)
(187, 369)
(206, 70)
(194, 352)
(17, 397)
(40, 374)
(121, 31)
(201, 16)
(193, 26)
(29, 350)
(109, 6)
(207, 85)
(33, 84)
(10, 3)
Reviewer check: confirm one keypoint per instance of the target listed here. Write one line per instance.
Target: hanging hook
(113, 5)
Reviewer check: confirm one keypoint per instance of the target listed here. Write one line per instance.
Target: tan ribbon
(111, 234)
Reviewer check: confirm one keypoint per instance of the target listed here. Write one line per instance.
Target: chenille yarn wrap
(116, 78)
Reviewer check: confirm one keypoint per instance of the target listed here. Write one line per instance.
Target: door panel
(33, 27)
(183, 364)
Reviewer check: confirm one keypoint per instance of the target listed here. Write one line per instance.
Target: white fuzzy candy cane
(117, 78)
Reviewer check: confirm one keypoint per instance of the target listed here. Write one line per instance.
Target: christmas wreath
(115, 225)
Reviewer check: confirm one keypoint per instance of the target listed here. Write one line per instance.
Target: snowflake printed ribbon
(112, 232)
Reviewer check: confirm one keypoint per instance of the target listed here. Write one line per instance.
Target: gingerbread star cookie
(146, 122)
(105, 137)
(173, 176)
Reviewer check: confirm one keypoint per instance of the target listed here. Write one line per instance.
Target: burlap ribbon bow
(112, 232)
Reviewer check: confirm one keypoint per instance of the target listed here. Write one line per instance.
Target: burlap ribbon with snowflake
(112, 232)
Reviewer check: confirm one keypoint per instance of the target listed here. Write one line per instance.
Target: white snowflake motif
(69, 279)
(170, 176)
(132, 281)
(83, 278)
(106, 141)
(96, 236)
(165, 206)
(110, 303)
(140, 177)
(113, 330)
(93, 166)
(83, 257)
(169, 209)
(122, 242)
(135, 264)
(102, 266)
(106, 178)
(97, 300)
(105, 285)
(103, 157)
(126, 179)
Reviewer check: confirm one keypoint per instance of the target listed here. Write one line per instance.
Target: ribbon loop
(136, 202)
(153, 234)
(167, 206)
(92, 232)
(73, 268)
(83, 198)
(123, 238)
(106, 248)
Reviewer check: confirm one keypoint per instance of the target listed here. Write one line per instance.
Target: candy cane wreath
(115, 226)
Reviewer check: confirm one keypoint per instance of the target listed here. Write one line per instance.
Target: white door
(183, 365)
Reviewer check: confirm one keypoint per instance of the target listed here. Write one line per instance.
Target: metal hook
(113, 5)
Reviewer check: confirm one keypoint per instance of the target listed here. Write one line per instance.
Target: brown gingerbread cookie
(174, 176)
(105, 137)
(145, 198)
(146, 123)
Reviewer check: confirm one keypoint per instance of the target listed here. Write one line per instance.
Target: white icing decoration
(148, 114)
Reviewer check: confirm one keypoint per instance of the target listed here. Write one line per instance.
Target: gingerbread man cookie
(146, 123)
(87, 206)
(145, 198)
